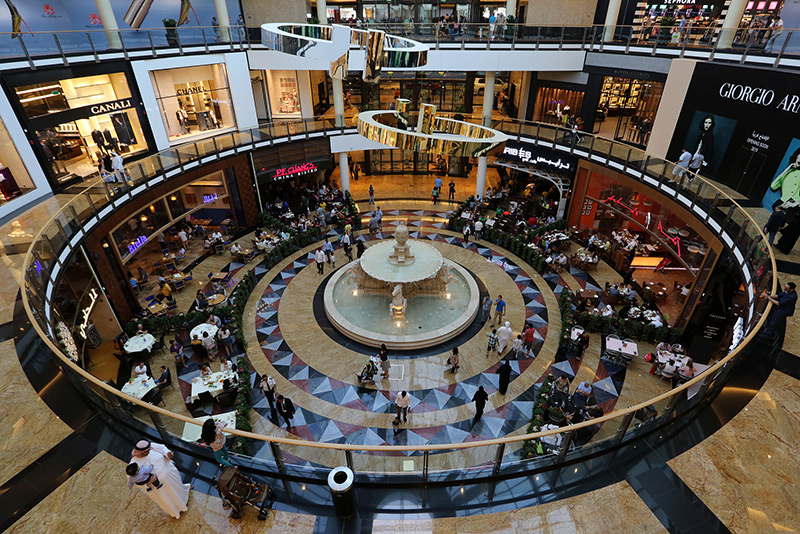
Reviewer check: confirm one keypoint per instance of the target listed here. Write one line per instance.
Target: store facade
(405, 11)
(76, 117)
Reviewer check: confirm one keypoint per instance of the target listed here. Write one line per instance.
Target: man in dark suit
(479, 399)
(285, 409)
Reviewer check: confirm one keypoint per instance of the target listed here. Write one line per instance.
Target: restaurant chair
(683, 378)
(169, 265)
(149, 299)
(666, 375)
(219, 249)
(626, 358)
(613, 355)
(154, 397)
(227, 240)
(179, 285)
(226, 399)
(172, 308)
(227, 278)
(249, 257)
(180, 257)
(165, 252)
(158, 267)
(187, 277)
(614, 337)
(205, 402)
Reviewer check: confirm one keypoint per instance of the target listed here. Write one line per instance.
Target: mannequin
(97, 137)
(213, 117)
(110, 139)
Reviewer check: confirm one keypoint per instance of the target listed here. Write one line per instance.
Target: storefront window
(14, 177)
(284, 94)
(627, 108)
(194, 100)
(80, 121)
(133, 233)
(552, 102)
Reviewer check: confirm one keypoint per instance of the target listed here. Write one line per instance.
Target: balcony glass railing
(52, 247)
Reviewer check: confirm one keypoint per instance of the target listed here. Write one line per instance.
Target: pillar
(612, 14)
(480, 185)
(344, 172)
(224, 21)
(511, 8)
(322, 11)
(109, 23)
(731, 23)
(488, 101)
(338, 102)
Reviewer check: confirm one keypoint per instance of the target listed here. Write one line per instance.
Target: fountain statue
(397, 309)
(401, 253)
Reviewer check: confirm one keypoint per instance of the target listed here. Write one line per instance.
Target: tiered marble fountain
(401, 292)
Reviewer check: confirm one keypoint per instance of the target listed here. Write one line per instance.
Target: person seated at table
(140, 370)
(585, 389)
(210, 346)
(631, 295)
(607, 311)
(669, 368)
(236, 248)
(613, 291)
(562, 260)
(165, 292)
(581, 307)
(225, 365)
(198, 347)
(593, 412)
(229, 387)
(687, 370)
(208, 243)
(161, 280)
(556, 414)
(200, 301)
(213, 319)
(555, 439)
(561, 384)
(142, 276)
(140, 330)
(165, 379)
(216, 236)
(205, 370)
(657, 322)
(678, 349)
(176, 349)
(664, 347)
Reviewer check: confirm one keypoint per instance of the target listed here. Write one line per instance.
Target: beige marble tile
(29, 428)
(747, 472)
(97, 499)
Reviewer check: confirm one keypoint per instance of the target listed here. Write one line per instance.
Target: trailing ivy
(529, 447)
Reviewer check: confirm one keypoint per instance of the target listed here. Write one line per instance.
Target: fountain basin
(429, 319)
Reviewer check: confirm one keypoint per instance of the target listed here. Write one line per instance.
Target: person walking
(211, 434)
(477, 229)
(327, 248)
(453, 360)
(504, 336)
(499, 311)
(517, 347)
(505, 377)
(466, 231)
(346, 245)
(451, 194)
(285, 409)
(528, 337)
(319, 257)
(379, 215)
(435, 195)
(785, 303)
(695, 165)
(383, 355)
(682, 164)
(401, 403)
(479, 398)
(269, 388)
(173, 494)
(486, 307)
(776, 221)
(371, 195)
(356, 169)
(492, 345)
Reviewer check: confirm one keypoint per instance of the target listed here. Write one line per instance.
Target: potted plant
(172, 31)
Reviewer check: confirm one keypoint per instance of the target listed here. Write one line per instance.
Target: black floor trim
(788, 267)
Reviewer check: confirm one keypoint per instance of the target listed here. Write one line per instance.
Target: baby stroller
(367, 375)
(237, 489)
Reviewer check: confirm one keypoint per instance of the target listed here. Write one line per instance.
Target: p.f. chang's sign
(760, 96)
(294, 170)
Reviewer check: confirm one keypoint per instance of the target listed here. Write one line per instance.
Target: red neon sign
(615, 200)
(295, 169)
(674, 240)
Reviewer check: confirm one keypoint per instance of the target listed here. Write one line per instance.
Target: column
(612, 14)
(224, 21)
(488, 100)
(322, 11)
(480, 185)
(344, 172)
(731, 23)
(511, 8)
(109, 23)
(338, 102)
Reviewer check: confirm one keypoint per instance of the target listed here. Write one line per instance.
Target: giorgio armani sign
(761, 96)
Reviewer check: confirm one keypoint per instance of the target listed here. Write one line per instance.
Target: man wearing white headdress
(504, 335)
(174, 494)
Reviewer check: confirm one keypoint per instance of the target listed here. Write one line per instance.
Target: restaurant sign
(294, 170)
(528, 154)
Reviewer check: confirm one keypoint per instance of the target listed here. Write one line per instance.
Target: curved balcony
(744, 243)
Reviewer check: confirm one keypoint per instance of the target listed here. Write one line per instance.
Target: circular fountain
(401, 292)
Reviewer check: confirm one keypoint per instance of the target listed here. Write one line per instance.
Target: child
(142, 476)
(517, 347)
(492, 341)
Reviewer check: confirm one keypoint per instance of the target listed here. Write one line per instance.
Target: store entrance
(628, 108)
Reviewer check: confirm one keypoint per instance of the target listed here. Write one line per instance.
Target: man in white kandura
(174, 494)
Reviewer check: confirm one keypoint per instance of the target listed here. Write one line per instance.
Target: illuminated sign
(209, 198)
(526, 153)
(674, 240)
(618, 201)
(67, 341)
(136, 245)
(294, 170)
(117, 105)
(190, 90)
(87, 312)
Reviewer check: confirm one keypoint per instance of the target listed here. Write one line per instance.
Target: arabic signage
(87, 312)
(540, 157)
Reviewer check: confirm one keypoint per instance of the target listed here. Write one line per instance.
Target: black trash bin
(340, 481)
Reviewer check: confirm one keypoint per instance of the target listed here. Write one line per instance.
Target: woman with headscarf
(173, 495)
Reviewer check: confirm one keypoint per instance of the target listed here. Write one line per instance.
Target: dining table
(219, 276)
(216, 299)
(191, 431)
(620, 345)
(588, 294)
(140, 343)
(157, 307)
(202, 328)
(138, 387)
(575, 333)
(211, 383)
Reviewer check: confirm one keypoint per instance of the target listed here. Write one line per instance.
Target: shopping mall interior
(359, 266)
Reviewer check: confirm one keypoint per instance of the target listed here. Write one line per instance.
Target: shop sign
(207, 199)
(87, 312)
(183, 91)
(136, 245)
(109, 107)
(540, 157)
(294, 170)
(67, 341)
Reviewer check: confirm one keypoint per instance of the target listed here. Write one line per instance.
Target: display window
(627, 108)
(552, 104)
(284, 94)
(194, 101)
(82, 123)
(14, 177)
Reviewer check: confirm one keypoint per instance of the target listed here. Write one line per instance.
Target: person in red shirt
(528, 336)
